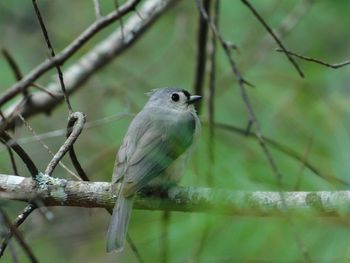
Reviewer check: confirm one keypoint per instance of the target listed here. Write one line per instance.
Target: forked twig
(19, 220)
(278, 41)
(76, 130)
(12, 229)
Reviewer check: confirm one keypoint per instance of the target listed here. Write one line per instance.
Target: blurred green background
(309, 115)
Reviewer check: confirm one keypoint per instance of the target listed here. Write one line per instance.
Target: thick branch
(68, 51)
(60, 192)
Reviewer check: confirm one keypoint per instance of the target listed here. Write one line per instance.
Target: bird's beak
(194, 98)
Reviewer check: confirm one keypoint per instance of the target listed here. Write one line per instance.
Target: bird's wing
(152, 143)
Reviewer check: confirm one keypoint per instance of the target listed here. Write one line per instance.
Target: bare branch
(60, 192)
(241, 83)
(202, 41)
(77, 128)
(52, 53)
(46, 147)
(315, 60)
(279, 42)
(19, 220)
(12, 63)
(13, 230)
(102, 54)
(5, 138)
(78, 117)
(69, 50)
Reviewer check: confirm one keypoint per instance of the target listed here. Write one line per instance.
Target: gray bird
(158, 135)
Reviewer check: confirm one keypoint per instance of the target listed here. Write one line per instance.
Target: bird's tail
(118, 226)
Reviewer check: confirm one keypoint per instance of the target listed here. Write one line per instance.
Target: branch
(315, 60)
(278, 41)
(60, 192)
(68, 51)
(98, 57)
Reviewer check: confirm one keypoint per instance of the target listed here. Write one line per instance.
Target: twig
(19, 220)
(212, 85)
(70, 50)
(202, 36)
(76, 130)
(97, 8)
(116, 4)
(46, 146)
(5, 137)
(80, 118)
(282, 30)
(12, 158)
(14, 231)
(52, 53)
(12, 63)
(13, 253)
(134, 249)
(18, 74)
(302, 167)
(278, 41)
(15, 68)
(315, 60)
(288, 151)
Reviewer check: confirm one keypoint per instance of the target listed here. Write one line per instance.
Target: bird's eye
(175, 97)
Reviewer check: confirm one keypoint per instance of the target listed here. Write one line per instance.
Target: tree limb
(99, 56)
(60, 192)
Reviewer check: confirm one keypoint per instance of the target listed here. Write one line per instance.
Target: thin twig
(13, 253)
(302, 167)
(19, 220)
(97, 8)
(52, 53)
(37, 137)
(18, 74)
(315, 60)
(12, 158)
(134, 249)
(281, 31)
(78, 116)
(278, 41)
(5, 137)
(202, 36)
(41, 88)
(15, 68)
(212, 85)
(116, 4)
(76, 130)
(14, 231)
(12, 63)
(288, 151)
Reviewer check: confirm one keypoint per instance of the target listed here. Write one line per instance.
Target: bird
(157, 142)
